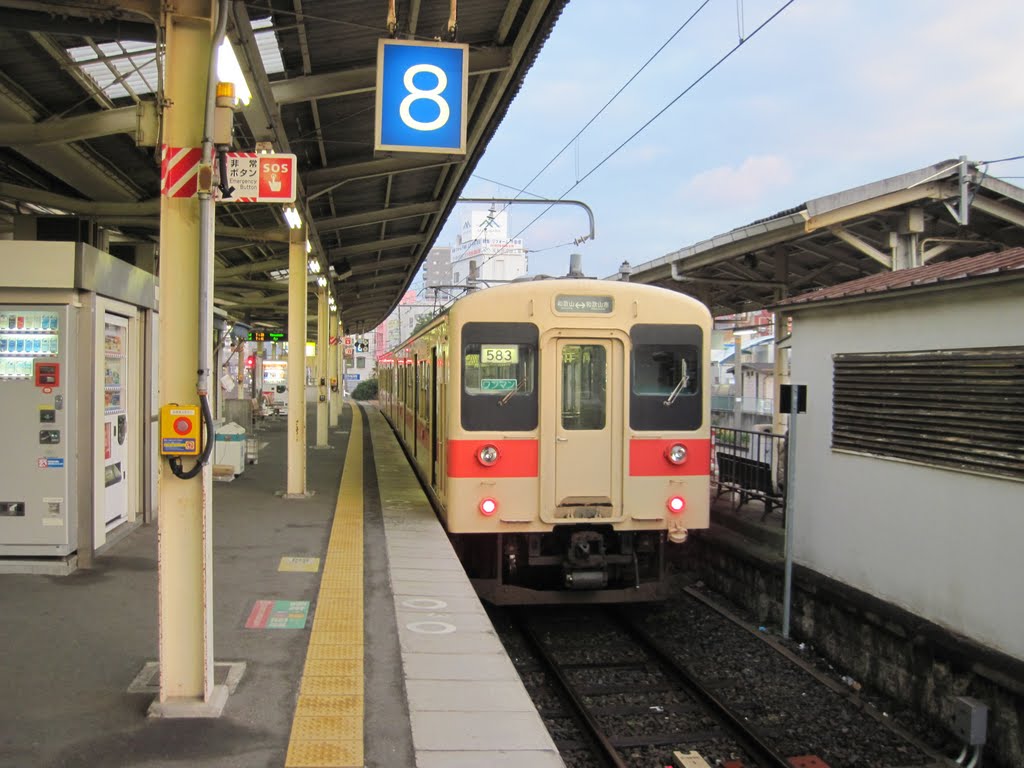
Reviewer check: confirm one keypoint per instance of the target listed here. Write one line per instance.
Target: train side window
(666, 386)
(499, 376)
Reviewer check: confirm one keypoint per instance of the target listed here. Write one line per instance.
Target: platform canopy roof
(940, 213)
(78, 132)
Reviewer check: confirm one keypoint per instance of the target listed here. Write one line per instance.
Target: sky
(829, 95)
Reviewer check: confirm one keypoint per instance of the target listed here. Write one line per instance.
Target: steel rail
(610, 752)
(749, 737)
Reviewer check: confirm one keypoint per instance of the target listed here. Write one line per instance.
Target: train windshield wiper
(519, 385)
(684, 381)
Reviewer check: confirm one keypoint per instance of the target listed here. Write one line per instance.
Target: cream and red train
(563, 429)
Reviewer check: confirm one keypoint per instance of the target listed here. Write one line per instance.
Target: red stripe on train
(516, 458)
(647, 458)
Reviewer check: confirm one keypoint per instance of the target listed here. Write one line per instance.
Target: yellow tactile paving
(341, 627)
(347, 685)
(334, 651)
(333, 666)
(327, 729)
(316, 705)
(329, 637)
(324, 754)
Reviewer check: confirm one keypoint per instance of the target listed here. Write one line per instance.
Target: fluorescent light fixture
(321, 281)
(744, 332)
(309, 248)
(314, 266)
(229, 71)
(291, 215)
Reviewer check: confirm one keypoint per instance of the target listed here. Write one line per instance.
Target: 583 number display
(493, 354)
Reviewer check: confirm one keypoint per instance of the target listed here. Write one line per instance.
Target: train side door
(432, 394)
(414, 401)
(587, 429)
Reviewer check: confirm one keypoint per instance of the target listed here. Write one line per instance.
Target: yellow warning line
(327, 731)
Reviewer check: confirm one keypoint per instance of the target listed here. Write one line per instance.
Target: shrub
(365, 390)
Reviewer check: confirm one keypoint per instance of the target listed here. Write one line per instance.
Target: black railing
(750, 466)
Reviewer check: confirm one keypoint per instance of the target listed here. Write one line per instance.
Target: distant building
(437, 270)
(401, 323)
(484, 238)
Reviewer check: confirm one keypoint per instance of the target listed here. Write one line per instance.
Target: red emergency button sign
(182, 425)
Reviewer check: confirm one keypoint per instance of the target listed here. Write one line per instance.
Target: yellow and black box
(180, 430)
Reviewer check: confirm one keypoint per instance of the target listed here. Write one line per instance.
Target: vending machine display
(115, 419)
(37, 478)
(25, 335)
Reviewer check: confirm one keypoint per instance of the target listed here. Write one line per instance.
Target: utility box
(970, 720)
(229, 447)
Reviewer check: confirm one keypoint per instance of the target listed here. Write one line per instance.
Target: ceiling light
(314, 266)
(321, 281)
(309, 248)
(291, 215)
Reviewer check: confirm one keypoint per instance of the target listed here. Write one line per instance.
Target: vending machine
(74, 466)
(38, 479)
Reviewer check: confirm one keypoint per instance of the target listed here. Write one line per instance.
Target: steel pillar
(296, 364)
(334, 396)
(321, 367)
(184, 580)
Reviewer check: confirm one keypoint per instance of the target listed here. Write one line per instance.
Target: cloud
(757, 179)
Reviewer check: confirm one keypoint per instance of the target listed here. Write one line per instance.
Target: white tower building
(484, 238)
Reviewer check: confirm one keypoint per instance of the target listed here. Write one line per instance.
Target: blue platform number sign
(421, 96)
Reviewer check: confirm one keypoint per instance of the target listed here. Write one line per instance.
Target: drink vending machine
(72, 332)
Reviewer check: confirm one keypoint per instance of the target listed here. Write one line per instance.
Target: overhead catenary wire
(1001, 160)
(658, 114)
(575, 139)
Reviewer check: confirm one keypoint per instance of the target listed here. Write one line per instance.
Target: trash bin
(229, 447)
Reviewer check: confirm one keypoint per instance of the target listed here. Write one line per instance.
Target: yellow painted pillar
(321, 367)
(184, 579)
(296, 364)
(333, 397)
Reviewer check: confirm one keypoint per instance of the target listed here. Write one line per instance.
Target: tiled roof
(972, 267)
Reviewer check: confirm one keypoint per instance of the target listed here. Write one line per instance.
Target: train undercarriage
(571, 564)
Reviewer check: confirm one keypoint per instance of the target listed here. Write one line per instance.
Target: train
(561, 428)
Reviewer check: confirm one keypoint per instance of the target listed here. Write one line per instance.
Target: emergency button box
(180, 430)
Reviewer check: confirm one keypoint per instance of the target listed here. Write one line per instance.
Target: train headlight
(488, 507)
(676, 505)
(676, 453)
(487, 455)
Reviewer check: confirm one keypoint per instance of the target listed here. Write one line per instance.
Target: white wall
(945, 545)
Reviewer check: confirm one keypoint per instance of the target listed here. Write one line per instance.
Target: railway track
(644, 699)
(633, 686)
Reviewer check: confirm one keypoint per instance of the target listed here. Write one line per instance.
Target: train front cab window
(499, 376)
(665, 390)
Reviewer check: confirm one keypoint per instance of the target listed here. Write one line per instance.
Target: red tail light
(676, 505)
(488, 507)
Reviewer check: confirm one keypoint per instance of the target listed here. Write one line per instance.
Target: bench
(751, 479)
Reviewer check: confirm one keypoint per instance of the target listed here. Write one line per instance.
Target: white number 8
(415, 94)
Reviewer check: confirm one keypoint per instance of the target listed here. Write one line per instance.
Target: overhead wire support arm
(538, 201)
